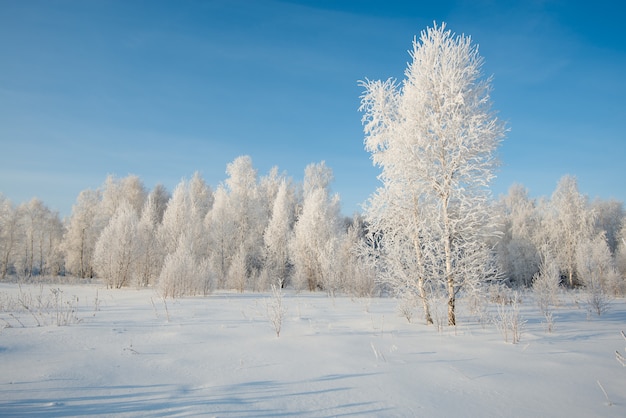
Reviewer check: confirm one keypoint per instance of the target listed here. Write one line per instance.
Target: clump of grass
(45, 308)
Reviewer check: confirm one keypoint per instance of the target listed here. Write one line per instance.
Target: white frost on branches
(434, 137)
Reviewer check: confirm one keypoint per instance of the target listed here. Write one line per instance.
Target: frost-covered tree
(41, 233)
(359, 276)
(82, 233)
(269, 185)
(609, 218)
(342, 265)
(149, 258)
(596, 270)
(620, 258)
(183, 224)
(92, 213)
(317, 176)
(160, 197)
(238, 274)
(400, 244)
(182, 273)
(116, 250)
(435, 139)
(277, 235)
(221, 228)
(248, 216)
(200, 196)
(30, 217)
(200, 202)
(517, 249)
(315, 229)
(176, 219)
(53, 247)
(9, 226)
(35, 227)
(129, 189)
(569, 223)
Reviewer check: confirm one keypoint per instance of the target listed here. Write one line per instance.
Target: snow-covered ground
(129, 353)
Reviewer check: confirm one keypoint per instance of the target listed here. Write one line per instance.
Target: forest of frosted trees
(432, 231)
(248, 233)
(253, 231)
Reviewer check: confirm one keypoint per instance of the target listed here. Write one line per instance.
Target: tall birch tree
(435, 138)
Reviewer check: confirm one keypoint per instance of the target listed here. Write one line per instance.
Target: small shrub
(406, 308)
(546, 288)
(44, 308)
(508, 318)
(276, 309)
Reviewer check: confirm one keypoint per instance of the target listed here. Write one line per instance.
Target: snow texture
(130, 353)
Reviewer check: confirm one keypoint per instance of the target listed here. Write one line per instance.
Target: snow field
(133, 354)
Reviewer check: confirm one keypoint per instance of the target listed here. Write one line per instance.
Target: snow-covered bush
(508, 318)
(44, 308)
(596, 270)
(276, 309)
(406, 307)
(545, 288)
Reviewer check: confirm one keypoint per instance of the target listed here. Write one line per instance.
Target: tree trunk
(451, 304)
(448, 254)
(424, 298)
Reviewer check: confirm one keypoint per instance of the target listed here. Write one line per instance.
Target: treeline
(248, 233)
(253, 231)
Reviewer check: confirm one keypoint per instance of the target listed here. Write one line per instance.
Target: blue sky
(161, 89)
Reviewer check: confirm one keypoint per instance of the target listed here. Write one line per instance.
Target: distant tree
(159, 197)
(36, 224)
(200, 202)
(249, 218)
(149, 258)
(183, 224)
(29, 222)
(277, 235)
(620, 258)
(570, 222)
(268, 191)
(182, 273)
(596, 270)
(359, 276)
(435, 138)
(9, 226)
(116, 250)
(315, 229)
(342, 265)
(176, 219)
(51, 247)
(221, 228)
(317, 176)
(41, 233)
(609, 218)
(115, 191)
(200, 196)
(518, 251)
(82, 233)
